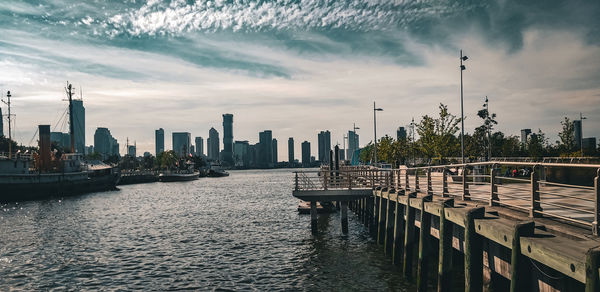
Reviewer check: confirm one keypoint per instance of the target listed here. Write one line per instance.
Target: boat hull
(177, 177)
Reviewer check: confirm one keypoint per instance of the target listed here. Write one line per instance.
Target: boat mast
(69, 90)
(9, 125)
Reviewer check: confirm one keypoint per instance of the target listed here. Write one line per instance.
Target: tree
(537, 144)
(4, 141)
(437, 136)
(566, 145)
(482, 135)
(167, 159)
(148, 162)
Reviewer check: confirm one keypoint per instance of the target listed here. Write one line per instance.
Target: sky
(298, 67)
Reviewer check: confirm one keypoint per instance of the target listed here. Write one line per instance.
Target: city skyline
(288, 74)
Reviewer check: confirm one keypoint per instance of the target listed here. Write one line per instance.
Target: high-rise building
(305, 153)
(353, 143)
(324, 146)
(240, 153)
(199, 146)
(401, 133)
(104, 143)
(589, 143)
(265, 149)
(182, 143)
(212, 144)
(291, 151)
(131, 151)
(1, 124)
(524, 134)
(228, 138)
(159, 141)
(192, 149)
(578, 133)
(274, 151)
(62, 140)
(79, 125)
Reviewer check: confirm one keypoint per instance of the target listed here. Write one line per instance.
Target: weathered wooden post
(535, 195)
(595, 230)
(296, 181)
(445, 192)
(429, 186)
(520, 272)
(465, 186)
(383, 205)
(417, 189)
(409, 238)
(389, 222)
(445, 248)
(344, 217)
(313, 217)
(398, 232)
(473, 251)
(424, 246)
(493, 187)
(592, 262)
(406, 182)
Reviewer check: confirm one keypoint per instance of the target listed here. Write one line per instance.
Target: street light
(487, 107)
(412, 132)
(581, 118)
(375, 110)
(462, 115)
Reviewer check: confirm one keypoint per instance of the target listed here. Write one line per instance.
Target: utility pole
(462, 115)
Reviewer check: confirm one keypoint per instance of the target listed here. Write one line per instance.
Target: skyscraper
(1, 124)
(265, 149)
(524, 134)
(305, 153)
(240, 153)
(131, 151)
(104, 143)
(324, 146)
(159, 141)
(79, 125)
(181, 143)
(353, 143)
(212, 144)
(400, 133)
(228, 138)
(62, 140)
(199, 146)
(291, 151)
(274, 151)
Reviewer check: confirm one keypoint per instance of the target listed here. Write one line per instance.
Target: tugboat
(31, 176)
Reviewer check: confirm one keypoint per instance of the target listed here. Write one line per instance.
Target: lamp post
(581, 118)
(487, 107)
(462, 115)
(412, 132)
(375, 110)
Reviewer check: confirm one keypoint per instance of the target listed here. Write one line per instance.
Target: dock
(527, 233)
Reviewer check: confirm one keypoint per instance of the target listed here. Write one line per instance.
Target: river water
(241, 232)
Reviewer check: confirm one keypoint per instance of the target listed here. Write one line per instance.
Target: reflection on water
(236, 233)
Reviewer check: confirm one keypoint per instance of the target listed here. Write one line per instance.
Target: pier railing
(569, 192)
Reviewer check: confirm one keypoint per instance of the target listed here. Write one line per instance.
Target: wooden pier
(467, 225)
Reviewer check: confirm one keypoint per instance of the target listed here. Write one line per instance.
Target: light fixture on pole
(462, 115)
(412, 132)
(375, 110)
(581, 118)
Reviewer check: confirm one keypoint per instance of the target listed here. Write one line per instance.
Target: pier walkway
(536, 230)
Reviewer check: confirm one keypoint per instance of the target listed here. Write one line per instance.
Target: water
(236, 233)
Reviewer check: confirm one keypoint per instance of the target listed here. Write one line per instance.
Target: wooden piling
(445, 249)
(424, 245)
(383, 205)
(313, 217)
(397, 246)
(389, 222)
(409, 239)
(473, 244)
(520, 273)
(592, 263)
(344, 207)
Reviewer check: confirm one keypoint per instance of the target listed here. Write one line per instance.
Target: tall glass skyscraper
(228, 138)
(159, 141)
(79, 125)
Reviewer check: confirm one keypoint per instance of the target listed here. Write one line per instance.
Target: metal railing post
(595, 230)
(493, 187)
(445, 183)
(465, 185)
(429, 186)
(535, 194)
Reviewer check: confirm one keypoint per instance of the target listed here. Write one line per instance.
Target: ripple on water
(236, 233)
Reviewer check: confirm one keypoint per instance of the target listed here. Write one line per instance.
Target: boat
(46, 173)
(216, 170)
(178, 176)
